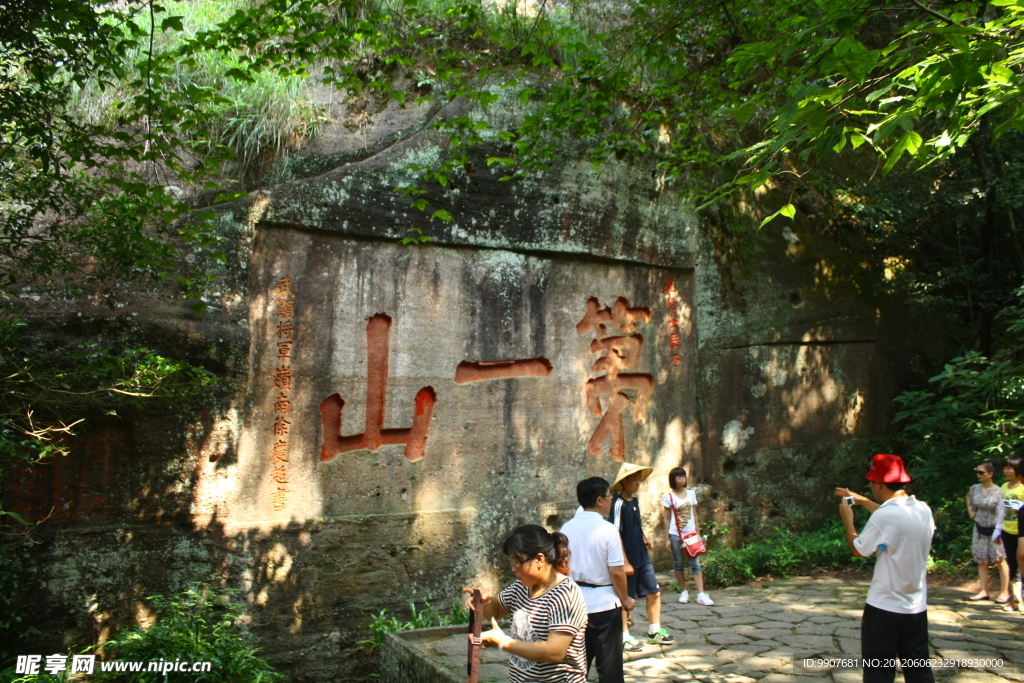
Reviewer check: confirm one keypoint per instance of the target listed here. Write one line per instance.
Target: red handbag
(692, 543)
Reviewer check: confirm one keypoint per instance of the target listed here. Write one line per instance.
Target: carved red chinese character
(283, 378)
(285, 329)
(482, 371)
(280, 452)
(279, 498)
(284, 349)
(378, 336)
(616, 390)
(281, 426)
(280, 474)
(598, 319)
(285, 308)
(284, 287)
(282, 406)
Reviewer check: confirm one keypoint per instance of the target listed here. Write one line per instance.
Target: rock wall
(390, 412)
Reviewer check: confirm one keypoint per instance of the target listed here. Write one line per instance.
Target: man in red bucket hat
(895, 620)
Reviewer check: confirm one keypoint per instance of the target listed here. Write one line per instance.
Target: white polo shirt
(594, 545)
(904, 525)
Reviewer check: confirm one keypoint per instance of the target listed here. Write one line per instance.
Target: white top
(904, 525)
(685, 507)
(594, 546)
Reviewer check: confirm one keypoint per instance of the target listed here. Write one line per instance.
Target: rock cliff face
(390, 412)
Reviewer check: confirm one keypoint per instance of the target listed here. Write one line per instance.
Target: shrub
(781, 553)
(382, 624)
(200, 624)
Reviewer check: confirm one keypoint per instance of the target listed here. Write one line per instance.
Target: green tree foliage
(972, 411)
(768, 87)
(36, 397)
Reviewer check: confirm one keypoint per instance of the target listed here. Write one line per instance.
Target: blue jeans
(678, 554)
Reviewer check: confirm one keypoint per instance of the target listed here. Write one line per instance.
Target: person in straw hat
(625, 515)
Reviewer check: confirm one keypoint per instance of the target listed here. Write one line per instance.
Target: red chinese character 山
(617, 389)
(378, 336)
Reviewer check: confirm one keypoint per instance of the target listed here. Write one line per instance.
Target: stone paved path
(753, 634)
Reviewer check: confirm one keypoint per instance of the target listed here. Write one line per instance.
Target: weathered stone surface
(827, 619)
(737, 620)
(849, 646)
(733, 652)
(776, 624)
(727, 638)
(753, 666)
(701, 649)
(792, 617)
(807, 644)
(785, 678)
(725, 677)
(767, 633)
(815, 629)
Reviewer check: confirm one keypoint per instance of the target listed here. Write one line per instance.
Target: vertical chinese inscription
(283, 341)
(615, 390)
(673, 303)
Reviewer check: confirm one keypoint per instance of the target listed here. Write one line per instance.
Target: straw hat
(627, 469)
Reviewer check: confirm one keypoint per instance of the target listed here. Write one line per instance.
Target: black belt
(593, 585)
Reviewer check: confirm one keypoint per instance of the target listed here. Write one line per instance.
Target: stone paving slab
(753, 633)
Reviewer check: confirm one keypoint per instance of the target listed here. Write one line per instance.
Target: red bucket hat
(887, 469)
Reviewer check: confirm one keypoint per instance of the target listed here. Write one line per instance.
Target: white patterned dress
(988, 511)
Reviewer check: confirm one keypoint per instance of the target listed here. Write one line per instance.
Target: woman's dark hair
(676, 472)
(528, 541)
(1014, 461)
(989, 464)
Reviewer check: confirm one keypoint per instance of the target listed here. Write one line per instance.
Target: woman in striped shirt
(549, 616)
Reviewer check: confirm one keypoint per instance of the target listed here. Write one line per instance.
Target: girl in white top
(680, 509)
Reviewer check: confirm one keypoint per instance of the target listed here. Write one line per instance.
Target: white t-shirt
(685, 508)
(594, 545)
(904, 525)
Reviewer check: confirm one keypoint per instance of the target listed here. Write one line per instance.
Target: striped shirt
(560, 609)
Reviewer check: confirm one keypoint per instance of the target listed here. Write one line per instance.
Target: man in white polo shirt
(597, 565)
(895, 620)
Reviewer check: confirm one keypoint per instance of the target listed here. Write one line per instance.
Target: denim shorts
(678, 554)
(643, 582)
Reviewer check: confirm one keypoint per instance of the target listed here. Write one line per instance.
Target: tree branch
(935, 13)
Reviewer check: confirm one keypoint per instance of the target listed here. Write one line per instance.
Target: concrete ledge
(404, 660)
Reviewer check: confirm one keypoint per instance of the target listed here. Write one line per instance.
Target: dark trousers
(888, 635)
(1010, 544)
(604, 643)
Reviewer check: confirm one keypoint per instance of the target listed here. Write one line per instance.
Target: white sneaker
(631, 644)
(703, 599)
(684, 597)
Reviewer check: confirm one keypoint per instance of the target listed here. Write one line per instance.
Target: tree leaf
(789, 211)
